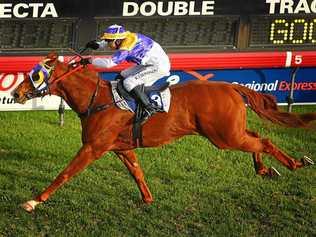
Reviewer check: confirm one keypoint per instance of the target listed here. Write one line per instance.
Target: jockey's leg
(139, 75)
(141, 97)
(133, 84)
(132, 71)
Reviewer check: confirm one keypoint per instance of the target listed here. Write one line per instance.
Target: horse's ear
(52, 56)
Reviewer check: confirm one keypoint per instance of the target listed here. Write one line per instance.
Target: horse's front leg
(85, 156)
(130, 160)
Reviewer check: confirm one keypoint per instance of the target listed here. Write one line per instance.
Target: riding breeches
(142, 74)
(154, 66)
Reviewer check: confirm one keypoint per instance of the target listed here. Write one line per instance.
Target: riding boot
(142, 98)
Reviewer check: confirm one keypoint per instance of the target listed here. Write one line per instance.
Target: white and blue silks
(152, 63)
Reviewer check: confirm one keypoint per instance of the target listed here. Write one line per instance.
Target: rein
(44, 91)
(90, 110)
(67, 73)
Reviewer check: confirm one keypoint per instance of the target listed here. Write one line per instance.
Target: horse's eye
(35, 76)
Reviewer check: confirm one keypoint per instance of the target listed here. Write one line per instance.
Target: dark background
(237, 25)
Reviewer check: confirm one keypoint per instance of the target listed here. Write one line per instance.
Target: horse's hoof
(29, 206)
(307, 161)
(148, 201)
(273, 172)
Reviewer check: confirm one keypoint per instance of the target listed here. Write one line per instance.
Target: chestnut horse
(214, 110)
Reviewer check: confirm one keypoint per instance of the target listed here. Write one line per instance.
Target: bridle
(40, 89)
(43, 90)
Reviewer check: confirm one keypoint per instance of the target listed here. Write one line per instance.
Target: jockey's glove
(85, 61)
(93, 44)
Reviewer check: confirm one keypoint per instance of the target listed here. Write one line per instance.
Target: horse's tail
(266, 107)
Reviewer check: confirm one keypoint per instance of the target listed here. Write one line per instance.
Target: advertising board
(8, 81)
(273, 81)
(249, 42)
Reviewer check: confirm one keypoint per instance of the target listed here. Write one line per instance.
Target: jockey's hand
(92, 45)
(85, 61)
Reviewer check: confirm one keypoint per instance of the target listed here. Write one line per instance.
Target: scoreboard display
(280, 31)
(32, 27)
(36, 34)
(195, 32)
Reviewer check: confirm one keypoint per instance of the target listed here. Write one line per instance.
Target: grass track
(198, 190)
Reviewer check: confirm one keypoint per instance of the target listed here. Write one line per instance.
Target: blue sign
(273, 81)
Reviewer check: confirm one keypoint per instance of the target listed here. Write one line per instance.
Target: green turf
(198, 190)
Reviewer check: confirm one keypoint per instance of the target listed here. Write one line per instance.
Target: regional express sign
(272, 81)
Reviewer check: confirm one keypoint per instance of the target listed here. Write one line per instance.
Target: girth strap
(137, 126)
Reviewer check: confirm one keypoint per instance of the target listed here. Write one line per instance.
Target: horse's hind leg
(130, 160)
(260, 168)
(257, 158)
(250, 143)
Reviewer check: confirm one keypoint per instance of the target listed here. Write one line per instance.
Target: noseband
(46, 89)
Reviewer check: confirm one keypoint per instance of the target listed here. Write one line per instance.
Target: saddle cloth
(160, 99)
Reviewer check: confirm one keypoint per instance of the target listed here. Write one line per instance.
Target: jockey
(152, 63)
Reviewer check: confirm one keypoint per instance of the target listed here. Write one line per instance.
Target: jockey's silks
(152, 63)
(133, 49)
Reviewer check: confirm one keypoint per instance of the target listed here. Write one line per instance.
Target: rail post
(290, 98)
(61, 112)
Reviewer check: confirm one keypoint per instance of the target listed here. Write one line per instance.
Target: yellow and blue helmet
(114, 32)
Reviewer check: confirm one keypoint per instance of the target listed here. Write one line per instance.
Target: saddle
(158, 94)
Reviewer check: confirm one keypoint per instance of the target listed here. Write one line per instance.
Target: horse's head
(35, 83)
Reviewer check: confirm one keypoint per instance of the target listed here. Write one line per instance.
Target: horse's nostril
(16, 95)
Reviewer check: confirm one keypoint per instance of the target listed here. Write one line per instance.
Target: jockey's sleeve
(103, 62)
(118, 57)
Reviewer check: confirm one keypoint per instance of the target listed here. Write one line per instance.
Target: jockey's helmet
(114, 32)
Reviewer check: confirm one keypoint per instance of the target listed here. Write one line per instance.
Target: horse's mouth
(20, 100)
(19, 97)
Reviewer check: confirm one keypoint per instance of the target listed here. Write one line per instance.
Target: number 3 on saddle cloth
(158, 94)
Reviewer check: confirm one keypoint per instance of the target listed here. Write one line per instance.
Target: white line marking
(288, 59)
